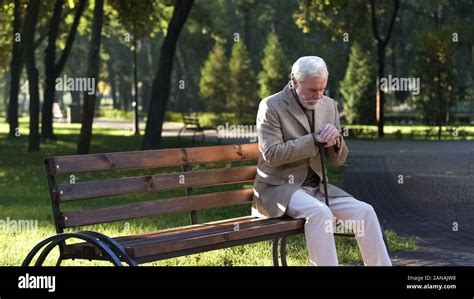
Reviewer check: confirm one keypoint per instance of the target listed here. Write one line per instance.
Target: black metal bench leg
(179, 134)
(60, 260)
(113, 258)
(283, 252)
(53, 241)
(29, 257)
(116, 247)
(275, 252)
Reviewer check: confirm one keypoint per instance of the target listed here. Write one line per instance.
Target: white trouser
(308, 203)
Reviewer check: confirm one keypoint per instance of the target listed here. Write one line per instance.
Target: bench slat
(151, 158)
(158, 182)
(254, 229)
(172, 233)
(168, 234)
(196, 236)
(156, 207)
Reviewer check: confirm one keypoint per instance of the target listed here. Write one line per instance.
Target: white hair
(309, 66)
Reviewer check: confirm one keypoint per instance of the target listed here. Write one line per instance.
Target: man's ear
(293, 81)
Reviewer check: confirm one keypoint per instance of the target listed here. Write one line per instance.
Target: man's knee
(366, 211)
(367, 208)
(321, 212)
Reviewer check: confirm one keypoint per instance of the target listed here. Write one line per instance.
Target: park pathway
(423, 189)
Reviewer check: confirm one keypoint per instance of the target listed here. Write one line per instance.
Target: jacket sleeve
(274, 150)
(337, 157)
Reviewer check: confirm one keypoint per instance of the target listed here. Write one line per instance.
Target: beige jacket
(287, 149)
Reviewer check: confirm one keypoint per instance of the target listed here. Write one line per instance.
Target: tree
(53, 69)
(443, 39)
(243, 86)
(275, 68)
(32, 73)
(93, 63)
(128, 10)
(160, 89)
(437, 76)
(15, 68)
(344, 16)
(18, 56)
(358, 87)
(214, 82)
(381, 49)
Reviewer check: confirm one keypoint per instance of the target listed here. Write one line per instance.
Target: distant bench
(161, 244)
(191, 123)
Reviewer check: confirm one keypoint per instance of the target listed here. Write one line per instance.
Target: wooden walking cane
(323, 168)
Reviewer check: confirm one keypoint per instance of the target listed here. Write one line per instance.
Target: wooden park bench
(191, 123)
(161, 244)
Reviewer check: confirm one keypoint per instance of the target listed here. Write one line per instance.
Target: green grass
(116, 114)
(25, 196)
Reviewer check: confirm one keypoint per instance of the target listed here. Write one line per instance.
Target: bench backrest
(191, 120)
(184, 179)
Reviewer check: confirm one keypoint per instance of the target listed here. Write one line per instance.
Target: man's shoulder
(274, 100)
(329, 101)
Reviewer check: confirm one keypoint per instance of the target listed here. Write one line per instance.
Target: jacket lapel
(320, 114)
(295, 109)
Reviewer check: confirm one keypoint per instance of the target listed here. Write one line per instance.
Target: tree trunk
(247, 27)
(135, 83)
(76, 97)
(177, 97)
(380, 93)
(53, 69)
(193, 96)
(93, 73)
(112, 78)
(125, 93)
(32, 72)
(381, 49)
(113, 86)
(145, 91)
(6, 80)
(161, 83)
(50, 73)
(61, 99)
(15, 67)
(230, 10)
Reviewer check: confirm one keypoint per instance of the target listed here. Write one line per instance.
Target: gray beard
(305, 104)
(308, 106)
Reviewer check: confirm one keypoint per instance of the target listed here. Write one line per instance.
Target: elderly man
(288, 181)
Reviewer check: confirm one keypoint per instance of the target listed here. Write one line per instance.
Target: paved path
(434, 203)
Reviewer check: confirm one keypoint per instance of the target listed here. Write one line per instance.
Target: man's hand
(329, 135)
